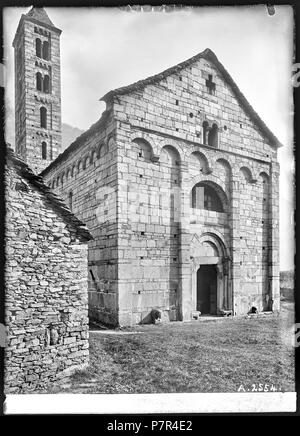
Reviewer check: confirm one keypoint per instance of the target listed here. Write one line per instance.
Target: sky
(105, 48)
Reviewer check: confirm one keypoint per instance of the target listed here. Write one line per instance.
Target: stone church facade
(178, 183)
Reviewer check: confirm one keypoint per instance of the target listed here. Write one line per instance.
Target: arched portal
(211, 269)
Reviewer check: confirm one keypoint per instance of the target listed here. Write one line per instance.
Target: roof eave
(56, 202)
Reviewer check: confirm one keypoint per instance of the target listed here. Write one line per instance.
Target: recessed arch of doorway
(211, 275)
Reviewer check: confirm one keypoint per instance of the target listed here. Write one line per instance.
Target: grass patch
(204, 356)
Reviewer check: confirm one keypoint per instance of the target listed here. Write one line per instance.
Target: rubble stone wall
(46, 292)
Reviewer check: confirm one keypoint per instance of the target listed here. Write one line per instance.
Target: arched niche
(169, 156)
(102, 150)
(79, 166)
(142, 149)
(224, 164)
(198, 161)
(93, 156)
(224, 171)
(264, 193)
(246, 174)
(86, 162)
(110, 143)
(264, 177)
(149, 140)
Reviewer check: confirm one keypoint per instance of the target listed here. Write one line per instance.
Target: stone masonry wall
(168, 117)
(46, 292)
(142, 260)
(89, 176)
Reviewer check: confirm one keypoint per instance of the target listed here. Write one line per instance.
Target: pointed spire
(40, 14)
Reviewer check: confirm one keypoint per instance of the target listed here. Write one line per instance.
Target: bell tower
(37, 89)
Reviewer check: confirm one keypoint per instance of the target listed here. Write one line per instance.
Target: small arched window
(70, 200)
(43, 117)
(205, 130)
(205, 197)
(213, 136)
(44, 150)
(46, 50)
(46, 84)
(39, 81)
(38, 47)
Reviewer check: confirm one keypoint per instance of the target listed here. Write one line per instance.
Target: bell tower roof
(37, 16)
(40, 15)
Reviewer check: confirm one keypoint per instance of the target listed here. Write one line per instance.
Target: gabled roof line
(56, 202)
(40, 15)
(210, 56)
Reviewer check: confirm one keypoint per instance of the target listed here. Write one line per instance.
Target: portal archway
(211, 275)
